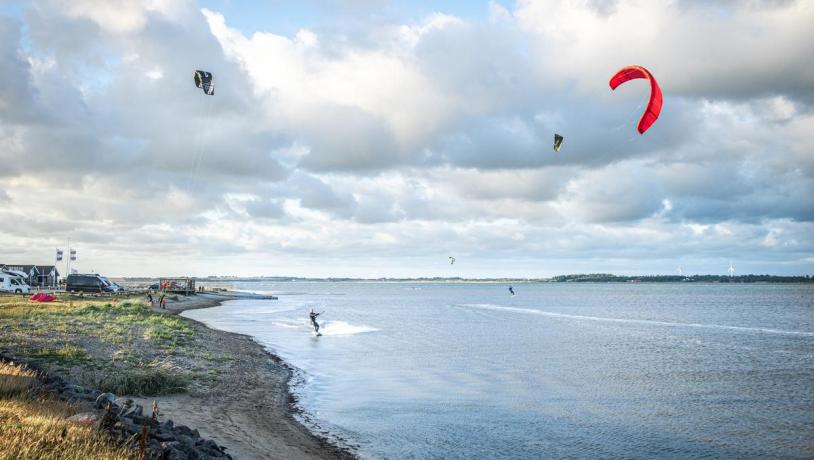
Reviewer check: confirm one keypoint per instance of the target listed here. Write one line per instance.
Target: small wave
(634, 321)
(343, 328)
(290, 325)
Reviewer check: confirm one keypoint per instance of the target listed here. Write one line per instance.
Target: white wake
(343, 328)
(326, 327)
(531, 311)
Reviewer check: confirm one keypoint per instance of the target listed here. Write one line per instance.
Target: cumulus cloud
(409, 139)
(693, 46)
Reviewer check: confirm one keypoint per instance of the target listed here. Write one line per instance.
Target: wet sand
(250, 409)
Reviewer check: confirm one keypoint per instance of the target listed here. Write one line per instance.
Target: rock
(184, 430)
(137, 419)
(103, 399)
(84, 418)
(137, 411)
(129, 426)
(155, 446)
(164, 436)
(173, 451)
(168, 425)
(186, 440)
(208, 447)
(165, 446)
(123, 402)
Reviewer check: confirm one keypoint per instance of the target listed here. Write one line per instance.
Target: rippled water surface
(559, 370)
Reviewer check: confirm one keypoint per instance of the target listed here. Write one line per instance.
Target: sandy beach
(250, 410)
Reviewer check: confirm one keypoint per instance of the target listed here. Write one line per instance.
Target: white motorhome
(11, 281)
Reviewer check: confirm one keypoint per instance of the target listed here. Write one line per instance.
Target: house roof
(46, 269)
(22, 268)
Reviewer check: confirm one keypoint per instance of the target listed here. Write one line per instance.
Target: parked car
(15, 284)
(88, 283)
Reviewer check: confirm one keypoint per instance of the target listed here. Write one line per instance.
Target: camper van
(12, 282)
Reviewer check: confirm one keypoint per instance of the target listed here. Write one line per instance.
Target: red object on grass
(42, 297)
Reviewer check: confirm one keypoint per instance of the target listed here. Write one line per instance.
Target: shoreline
(254, 418)
(226, 388)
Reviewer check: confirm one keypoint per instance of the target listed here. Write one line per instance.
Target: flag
(59, 254)
(73, 254)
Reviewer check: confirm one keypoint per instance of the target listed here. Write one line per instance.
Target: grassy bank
(116, 345)
(33, 425)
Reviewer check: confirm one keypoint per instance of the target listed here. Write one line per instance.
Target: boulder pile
(127, 423)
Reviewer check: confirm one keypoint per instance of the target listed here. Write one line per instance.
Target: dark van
(87, 283)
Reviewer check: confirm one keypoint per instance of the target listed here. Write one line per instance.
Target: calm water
(559, 370)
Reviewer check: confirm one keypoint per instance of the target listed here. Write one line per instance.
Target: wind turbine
(731, 269)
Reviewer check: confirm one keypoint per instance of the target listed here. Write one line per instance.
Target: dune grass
(144, 382)
(117, 345)
(32, 426)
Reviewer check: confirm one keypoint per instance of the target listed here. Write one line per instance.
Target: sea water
(560, 370)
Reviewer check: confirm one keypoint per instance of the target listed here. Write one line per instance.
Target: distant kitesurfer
(313, 315)
(511, 289)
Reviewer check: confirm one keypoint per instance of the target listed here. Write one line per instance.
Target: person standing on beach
(150, 298)
(163, 301)
(313, 315)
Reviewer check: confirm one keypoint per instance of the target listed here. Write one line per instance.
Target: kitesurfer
(313, 315)
(511, 289)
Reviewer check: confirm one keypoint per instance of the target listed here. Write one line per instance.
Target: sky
(376, 138)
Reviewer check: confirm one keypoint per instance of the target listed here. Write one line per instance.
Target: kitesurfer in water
(313, 315)
(511, 289)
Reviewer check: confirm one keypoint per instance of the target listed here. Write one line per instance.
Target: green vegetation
(143, 382)
(66, 354)
(33, 426)
(121, 346)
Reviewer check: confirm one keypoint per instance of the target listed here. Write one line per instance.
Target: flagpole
(59, 255)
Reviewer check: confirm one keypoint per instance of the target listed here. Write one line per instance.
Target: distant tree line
(608, 278)
(579, 278)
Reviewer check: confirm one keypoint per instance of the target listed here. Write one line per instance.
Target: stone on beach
(103, 399)
(84, 418)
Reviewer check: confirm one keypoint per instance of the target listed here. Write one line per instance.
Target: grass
(119, 346)
(15, 381)
(34, 427)
(67, 354)
(144, 382)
